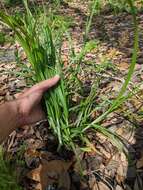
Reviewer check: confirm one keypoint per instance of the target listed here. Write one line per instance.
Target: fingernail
(57, 76)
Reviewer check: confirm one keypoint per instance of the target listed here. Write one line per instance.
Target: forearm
(9, 118)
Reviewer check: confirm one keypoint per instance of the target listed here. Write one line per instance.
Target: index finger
(46, 84)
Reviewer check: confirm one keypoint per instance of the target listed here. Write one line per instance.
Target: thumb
(45, 85)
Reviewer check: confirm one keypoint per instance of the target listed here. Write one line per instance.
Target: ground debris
(105, 168)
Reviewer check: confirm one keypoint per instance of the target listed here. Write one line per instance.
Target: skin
(26, 109)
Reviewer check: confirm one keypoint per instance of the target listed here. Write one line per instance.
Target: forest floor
(105, 168)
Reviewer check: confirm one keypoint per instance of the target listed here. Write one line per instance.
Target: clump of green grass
(2, 38)
(40, 50)
(12, 2)
(113, 6)
(8, 180)
(39, 46)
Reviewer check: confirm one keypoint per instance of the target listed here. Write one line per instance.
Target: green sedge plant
(39, 46)
(12, 2)
(95, 9)
(119, 98)
(8, 179)
(2, 38)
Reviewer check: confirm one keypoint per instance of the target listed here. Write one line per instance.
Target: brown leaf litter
(104, 168)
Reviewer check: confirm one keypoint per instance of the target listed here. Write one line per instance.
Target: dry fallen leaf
(123, 66)
(118, 187)
(113, 52)
(139, 163)
(115, 86)
(52, 172)
(121, 174)
(124, 38)
(23, 56)
(30, 155)
(101, 186)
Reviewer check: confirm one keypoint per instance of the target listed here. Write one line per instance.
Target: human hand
(29, 101)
